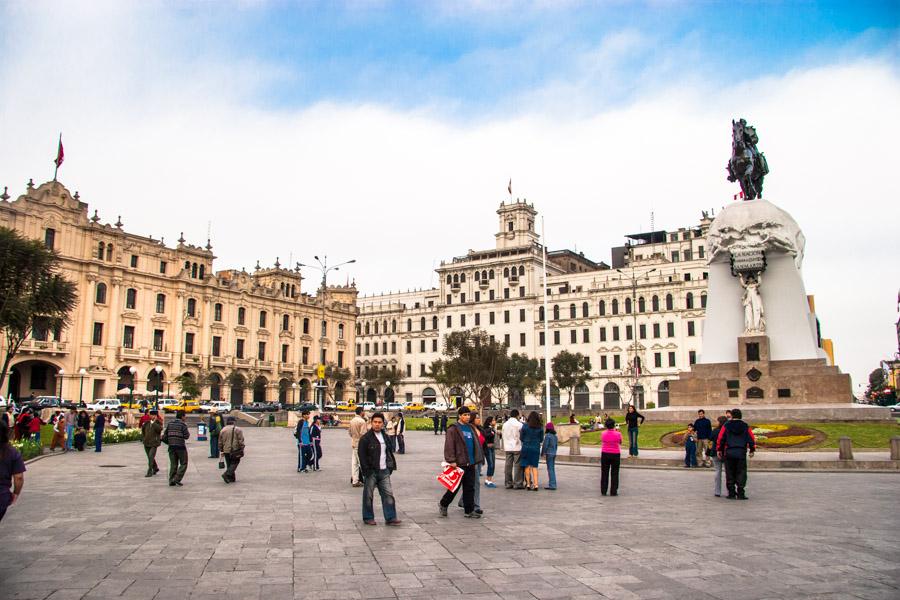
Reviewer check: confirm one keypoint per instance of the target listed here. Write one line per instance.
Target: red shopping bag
(450, 477)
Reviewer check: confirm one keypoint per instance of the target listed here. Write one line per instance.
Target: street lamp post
(362, 391)
(294, 393)
(387, 387)
(635, 370)
(60, 374)
(82, 371)
(133, 372)
(158, 385)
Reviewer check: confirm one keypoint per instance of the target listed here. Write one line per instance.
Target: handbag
(450, 477)
(221, 463)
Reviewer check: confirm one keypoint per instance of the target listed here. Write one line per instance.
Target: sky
(387, 132)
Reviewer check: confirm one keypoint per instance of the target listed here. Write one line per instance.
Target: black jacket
(735, 438)
(369, 450)
(631, 419)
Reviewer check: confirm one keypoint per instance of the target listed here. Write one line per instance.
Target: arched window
(615, 306)
(449, 279)
(191, 307)
(702, 300)
(217, 312)
(611, 398)
(131, 298)
(521, 271)
(409, 324)
(384, 326)
(160, 303)
(484, 275)
(602, 308)
(101, 248)
(394, 326)
(491, 274)
(462, 278)
(434, 322)
(100, 295)
(662, 395)
(194, 271)
(654, 303)
(285, 322)
(456, 278)
(506, 272)
(358, 331)
(376, 327)
(572, 311)
(262, 319)
(541, 313)
(627, 306)
(187, 266)
(341, 331)
(202, 272)
(477, 276)
(689, 300)
(584, 309)
(642, 305)
(109, 249)
(305, 325)
(242, 315)
(422, 324)
(367, 328)
(556, 312)
(669, 303)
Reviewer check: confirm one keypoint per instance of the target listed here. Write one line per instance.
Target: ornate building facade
(148, 313)
(637, 320)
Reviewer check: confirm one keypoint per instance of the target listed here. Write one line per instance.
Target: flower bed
(28, 449)
(115, 436)
(768, 435)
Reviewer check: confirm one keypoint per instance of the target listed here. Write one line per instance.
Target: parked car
(895, 410)
(394, 406)
(259, 407)
(42, 402)
(219, 405)
(166, 402)
(368, 406)
(188, 406)
(346, 407)
(105, 404)
(414, 407)
(306, 406)
(438, 406)
(330, 407)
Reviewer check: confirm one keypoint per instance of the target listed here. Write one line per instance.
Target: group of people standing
(70, 427)
(309, 443)
(524, 443)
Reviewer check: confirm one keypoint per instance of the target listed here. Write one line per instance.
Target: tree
(474, 362)
(570, 371)
(191, 385)
(523, 376)
(33, 295)
(333, 376)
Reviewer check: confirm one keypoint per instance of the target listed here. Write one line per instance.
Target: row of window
(128, 341)
(486, 275)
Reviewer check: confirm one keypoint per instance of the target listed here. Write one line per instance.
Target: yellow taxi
(346, 407)
(188, 406)
(414, 406)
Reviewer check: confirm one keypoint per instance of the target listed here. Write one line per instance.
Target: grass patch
(863, 435)
(649, 434)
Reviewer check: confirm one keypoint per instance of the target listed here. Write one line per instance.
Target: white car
(394, 406)
(439, 406)
(105, 404)
(219, 405)
(368, 406)
(164, 402)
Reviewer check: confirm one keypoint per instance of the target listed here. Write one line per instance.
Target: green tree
(570, 371)
(523, 376)
(333, 376)
(191, 385)
(33, 295)
(475, 362)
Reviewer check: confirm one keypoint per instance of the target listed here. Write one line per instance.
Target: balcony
(286, 367)
(268, 365)
(160, 356)
(190, 359)
(243, 362)
(129, 353)
(44, 347)
(218, 361)
(484, 284)
(454, 286)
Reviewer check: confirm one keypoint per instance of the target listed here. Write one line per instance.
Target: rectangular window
(642, 331)
(422, 369)
(462, 320)
(671, 359)
(449, 321)
(160, 303)
(585, 335)
(521, 291)
(521, 315)
(375, 348)
(656, 330)
(617, 362)
(670, 329)
(491, 317)
(324, 329)
(587, 363)
(384, 347)
(603, 334)
(130, 298)
(701, 252)
(506, 316)
(477, 319)
(629, 332)
(462, 298)
(50, 238)
(305, 356)
(541, 340)
(449, 299)
(367, 349)
(284, 353)
(421, 345)
(753, 351)
(393, 347)
(491, 294)
(477, 296)
(692, 357)
(409, 370)
(573, 336)
(522, 339)
(556, 337)
(188, 343)
(506, 339)
(128, 337)
(690, 328)
(657, 359)
(615, 331)
(98, 334)
(434, 345)
(341, 359)
(305, 325)
(162, 267)
(408, 346)
(687, 276)
(134, 259)
(261, 351)
(603, 362)
(688, 255)
(217, 345)
(262, 319)
(675, 256)
(506, 293)
(239, 349)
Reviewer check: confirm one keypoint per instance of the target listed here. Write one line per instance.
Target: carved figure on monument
(754, 317)
(747, 165)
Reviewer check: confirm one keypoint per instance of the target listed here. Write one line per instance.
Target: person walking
(735, 439)
(443, 422)
(12, 471)
(231, 445)
(476, 425)
(531, 435)
(59, 433)
(703, 431)
(716, 461)
(151, 432)
(175, 437)
(461, 449)
(71, 423)
(490, 456)
(548, 451)
(215, 425)
(610, 458)
(436, 422)
(34, 427)
(631, 420)
(304, 442)
(376, 461)
(690, 447)
(99, 427)
(512, 447)
(399, 430)
(358, 427)
(315, 435)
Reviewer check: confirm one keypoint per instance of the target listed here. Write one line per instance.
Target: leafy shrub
(28, 449)
(651, 405)
(115, 436)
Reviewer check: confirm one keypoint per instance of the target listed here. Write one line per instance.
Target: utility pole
(636, 367)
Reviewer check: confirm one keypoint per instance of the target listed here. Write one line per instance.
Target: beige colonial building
(148, 312)
(644, 311)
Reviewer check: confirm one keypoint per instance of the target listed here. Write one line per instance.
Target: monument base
(774, 413)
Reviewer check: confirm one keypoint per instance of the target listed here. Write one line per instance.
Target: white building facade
(639, 321)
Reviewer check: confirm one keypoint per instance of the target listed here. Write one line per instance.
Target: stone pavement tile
(347, 594)
(68, 594)
(377, 589)
(109, 588)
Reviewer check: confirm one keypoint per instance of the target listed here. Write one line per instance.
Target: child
(690, 448)
(80, 439)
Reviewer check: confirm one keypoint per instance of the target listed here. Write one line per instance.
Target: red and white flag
(60, 153)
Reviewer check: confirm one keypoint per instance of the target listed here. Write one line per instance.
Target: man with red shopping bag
(462, 450)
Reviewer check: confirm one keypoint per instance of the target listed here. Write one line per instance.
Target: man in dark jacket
(703, 429)
(176, 436)
(735, 438)
(151, 432)
(99, 426)
(376, 463)
(462, 449)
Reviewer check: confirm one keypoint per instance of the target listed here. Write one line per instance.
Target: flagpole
(56, 162)
(547, 367)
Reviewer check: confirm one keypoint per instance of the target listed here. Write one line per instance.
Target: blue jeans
(551, 470)
(690, 455)
(98, 439)
(70, 436)
(490, 459)
(632, 441)
(213, 447)
(381, 479)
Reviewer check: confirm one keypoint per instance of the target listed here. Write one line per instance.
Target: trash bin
(272, 420)
(201, 432)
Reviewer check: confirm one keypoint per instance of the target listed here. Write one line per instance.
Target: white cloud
(172, 143)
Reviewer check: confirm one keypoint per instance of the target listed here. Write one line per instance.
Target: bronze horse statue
(747, 165)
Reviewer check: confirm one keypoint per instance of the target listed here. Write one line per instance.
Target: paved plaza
(91, 526)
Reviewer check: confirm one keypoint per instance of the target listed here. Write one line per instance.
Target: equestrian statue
(748, 165)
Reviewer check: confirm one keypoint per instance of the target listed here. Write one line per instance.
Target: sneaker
(718, 495)
(742, 497)
(172, 483)
(394, 522)
(479, 511)
(473, 515)
(443, 510)
(490, 484)
(370, 522)
(224, 478)
(357, 484)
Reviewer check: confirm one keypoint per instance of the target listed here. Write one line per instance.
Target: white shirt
(382, 461)
(511, 430)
